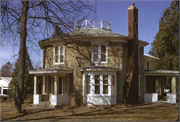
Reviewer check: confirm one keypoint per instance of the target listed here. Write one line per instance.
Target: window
(87, 84)
(147, 65)
(97, 84)
(105, 84)
(59, 55)
(99, 53)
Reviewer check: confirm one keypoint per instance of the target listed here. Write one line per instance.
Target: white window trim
(99, 54)
(92, 82)
(59, 55)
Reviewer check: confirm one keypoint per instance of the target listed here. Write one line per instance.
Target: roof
(99, 68)
(151, 56)
(88, 32)
(7, 79)
(161, 72)
(59, 69)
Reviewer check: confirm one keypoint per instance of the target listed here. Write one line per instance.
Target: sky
(115, 12)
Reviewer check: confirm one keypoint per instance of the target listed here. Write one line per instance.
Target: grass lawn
(161, 112)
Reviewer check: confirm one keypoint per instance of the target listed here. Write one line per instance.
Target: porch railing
(92, 24)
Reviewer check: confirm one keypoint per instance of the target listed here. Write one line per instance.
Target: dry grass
(162, 112)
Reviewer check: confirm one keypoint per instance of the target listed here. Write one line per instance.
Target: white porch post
(43, 84)
(173, 85)
(35, 85)
(55, 85)
(1, 89)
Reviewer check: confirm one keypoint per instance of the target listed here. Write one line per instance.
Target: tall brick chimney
(131, 88)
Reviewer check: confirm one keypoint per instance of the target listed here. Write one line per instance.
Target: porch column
(35, 85)
(1, 89)
(173, 85)
(55, 85)
(162, 85)
(43, 84)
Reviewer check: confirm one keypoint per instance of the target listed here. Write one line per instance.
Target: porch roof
(99, 68)
(51, 70)
(161, 72)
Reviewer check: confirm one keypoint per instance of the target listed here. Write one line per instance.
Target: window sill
(58, 63)
(99, 63)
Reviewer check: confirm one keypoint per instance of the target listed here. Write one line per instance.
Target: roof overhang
(151, 56)
(55, 70)
(160, 73)
(142, 43)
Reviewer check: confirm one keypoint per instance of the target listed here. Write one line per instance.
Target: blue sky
(115, 12)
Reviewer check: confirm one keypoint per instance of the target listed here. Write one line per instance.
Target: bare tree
(27, 19)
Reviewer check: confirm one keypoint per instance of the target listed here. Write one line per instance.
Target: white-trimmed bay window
(99, 88)
(100, 83)
(59, 55)
(99, 53)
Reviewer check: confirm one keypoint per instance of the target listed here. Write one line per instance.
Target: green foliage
(28, 80)
(6, 70)
(166, 43)
(57, 31)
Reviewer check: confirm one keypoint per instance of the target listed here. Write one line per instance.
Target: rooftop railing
(92, 24)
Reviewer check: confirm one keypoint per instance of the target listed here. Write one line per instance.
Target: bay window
(99, 84)
(59, 55)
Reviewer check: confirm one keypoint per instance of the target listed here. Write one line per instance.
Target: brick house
(94, 66)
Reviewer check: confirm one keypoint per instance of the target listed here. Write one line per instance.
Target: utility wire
(114, 17)
(157, 21)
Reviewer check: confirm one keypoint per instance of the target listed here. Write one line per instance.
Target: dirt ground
(145, 112)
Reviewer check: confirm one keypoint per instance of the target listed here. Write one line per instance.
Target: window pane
(95, 48)
(147, 65)
(56, 54)
(105, 89)
(97, 79)
(61, 58)
(88, 89)
(103, 57)
(95, 57)
(97, 89)
(105, 79)
(61, 50)
(113, 84)
(103, 48)
(87, 79)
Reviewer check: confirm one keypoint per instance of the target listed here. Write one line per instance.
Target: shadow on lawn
(57, 118)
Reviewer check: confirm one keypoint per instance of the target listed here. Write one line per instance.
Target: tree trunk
(22, 52)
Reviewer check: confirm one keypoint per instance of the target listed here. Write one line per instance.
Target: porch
(160, 86)
(51, 86)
